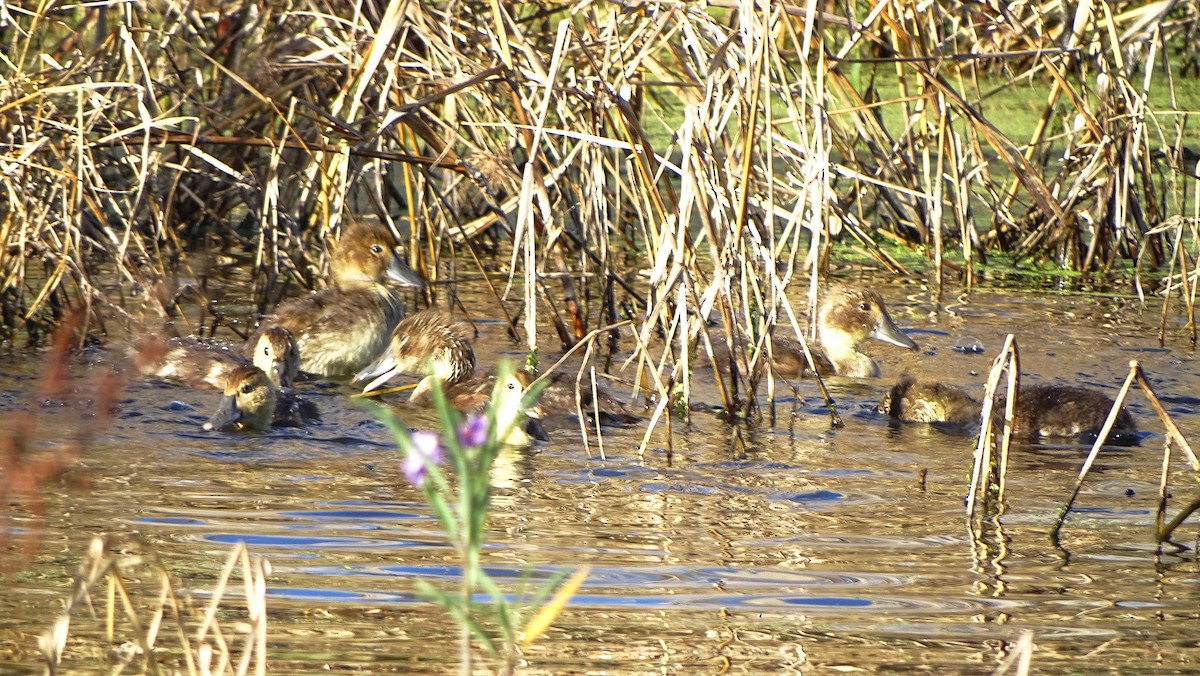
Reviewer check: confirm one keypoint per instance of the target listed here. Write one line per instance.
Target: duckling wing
(194, 363)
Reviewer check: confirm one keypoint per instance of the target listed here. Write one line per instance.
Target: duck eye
(376, 249)
(267, 351)
(864, 306)
(247, 388)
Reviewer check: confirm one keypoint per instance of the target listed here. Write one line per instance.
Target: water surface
(806, 548)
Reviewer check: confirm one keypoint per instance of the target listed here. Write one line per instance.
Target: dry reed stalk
(1019, 658)
(109, 560)
(723, 148)
(1173, 436)
(991, 463)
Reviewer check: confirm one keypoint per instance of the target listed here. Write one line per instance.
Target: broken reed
(657, 162)
(985, 499)
(165, 632)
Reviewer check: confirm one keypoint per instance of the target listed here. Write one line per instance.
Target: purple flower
(426, 447)
(473, 432)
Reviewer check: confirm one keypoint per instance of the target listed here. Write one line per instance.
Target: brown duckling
(341, 329)
(248, 403)
(1042, 411)
(848, 317)
(205, 365)
(252, 403)
(430, 342)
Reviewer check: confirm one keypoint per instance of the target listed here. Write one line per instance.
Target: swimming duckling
(430, 342)
(1042, 411)
(516, 422)
(248, 403)
(916, 401)
(251, 403)
(341, 329)
(848, 317)
(204, 365)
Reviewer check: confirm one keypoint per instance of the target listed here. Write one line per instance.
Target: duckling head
(367, 254)
(851, 315)
(276, 355)
(516, 416)
(929, 402)
(248, 403)
(431, 342)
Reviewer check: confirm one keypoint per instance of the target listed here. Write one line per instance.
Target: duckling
(848, 317)
(252, 403)
(516, 422)
(912, 401)
(341, 329)
(558, 398)
(1042, 411)
(205, 365)
(1070, 411)
(430, 342)
(248, 404)
(293, 410)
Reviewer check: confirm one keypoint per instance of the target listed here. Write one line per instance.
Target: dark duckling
(911, 400)
(341, 329)
(1042, 411)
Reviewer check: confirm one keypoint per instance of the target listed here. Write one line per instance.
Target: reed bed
(693, 168)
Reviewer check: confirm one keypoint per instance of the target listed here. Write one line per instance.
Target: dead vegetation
(657, 161)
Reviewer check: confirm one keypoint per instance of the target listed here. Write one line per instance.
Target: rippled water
(810, 549)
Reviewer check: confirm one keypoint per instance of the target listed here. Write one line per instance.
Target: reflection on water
(812, 547)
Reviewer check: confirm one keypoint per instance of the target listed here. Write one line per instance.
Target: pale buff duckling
(848, 316)
(341, 329)
(252, 403)
(439, 345)
(204, 364)
(1042, 411)
(517, 423)
(430, 342)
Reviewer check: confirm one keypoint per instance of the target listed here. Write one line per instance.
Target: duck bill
(227, 417)
(888, 332)
(380, 372)
(399, 272)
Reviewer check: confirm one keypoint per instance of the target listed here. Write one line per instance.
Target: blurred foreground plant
(461, 499)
